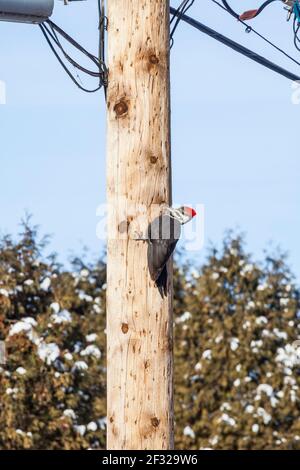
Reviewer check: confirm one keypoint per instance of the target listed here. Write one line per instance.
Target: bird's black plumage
(163, 235)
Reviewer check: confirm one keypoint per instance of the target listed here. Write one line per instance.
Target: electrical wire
(178, 10)
(69, 73)
(102, 29)
(238, 47)
(257, 12)
(296, 28)
(52, 34)
(100, 65)
(181, 10)
(249, 29)
(293, 8)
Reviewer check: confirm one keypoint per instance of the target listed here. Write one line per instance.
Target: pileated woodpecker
(163, 235)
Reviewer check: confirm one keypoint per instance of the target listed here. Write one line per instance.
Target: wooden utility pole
(139, 321)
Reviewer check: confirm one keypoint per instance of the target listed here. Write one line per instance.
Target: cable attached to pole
(52, 34)
(181, 10)
(237, 47)
(293, 7)
(250, 29)
(248, 14)
(69, 73)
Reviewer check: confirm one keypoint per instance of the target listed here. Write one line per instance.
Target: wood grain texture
(139, 322)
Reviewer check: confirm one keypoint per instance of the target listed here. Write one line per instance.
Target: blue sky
(234, 133)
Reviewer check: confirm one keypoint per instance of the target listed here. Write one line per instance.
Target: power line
(52, 34)
(69, 73)
(296, 27)
(237, 47)
(249, 29)
(102, 29)
(181, 10)
(254, 13)
(293, 7)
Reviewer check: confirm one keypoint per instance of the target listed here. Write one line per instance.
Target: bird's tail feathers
(162, 282)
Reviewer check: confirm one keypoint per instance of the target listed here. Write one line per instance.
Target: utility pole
(139, 321)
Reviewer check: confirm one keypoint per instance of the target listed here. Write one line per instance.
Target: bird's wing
(159, 252)
(164, 228)
(163, 235)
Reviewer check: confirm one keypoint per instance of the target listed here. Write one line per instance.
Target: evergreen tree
(52, 321)
(237, 361)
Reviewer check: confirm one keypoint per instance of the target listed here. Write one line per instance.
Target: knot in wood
(121, 108)
(153, 159)
(125, 328)
(153, 59)
(155, 422)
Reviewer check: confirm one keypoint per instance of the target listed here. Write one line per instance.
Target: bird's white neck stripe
(175, 214)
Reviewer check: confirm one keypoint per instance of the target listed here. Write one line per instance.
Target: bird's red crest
(190, 212)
